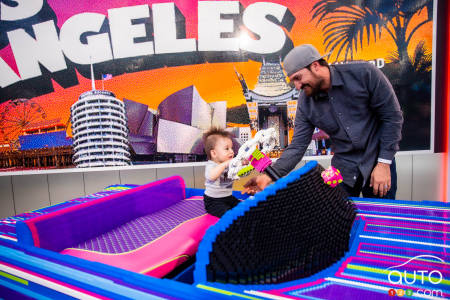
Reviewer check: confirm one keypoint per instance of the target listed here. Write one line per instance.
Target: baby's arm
(215, 172)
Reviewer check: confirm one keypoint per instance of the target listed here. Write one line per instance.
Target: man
(355, 104)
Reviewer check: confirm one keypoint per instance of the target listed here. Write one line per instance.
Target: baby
(218, 196)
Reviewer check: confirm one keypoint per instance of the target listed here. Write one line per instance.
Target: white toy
(265, 137)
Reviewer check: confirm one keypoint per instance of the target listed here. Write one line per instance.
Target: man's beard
(310, 90)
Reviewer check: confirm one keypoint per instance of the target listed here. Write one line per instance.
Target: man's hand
(380, 180)
(256, 184)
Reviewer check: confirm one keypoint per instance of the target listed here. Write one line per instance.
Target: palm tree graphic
(346, 21)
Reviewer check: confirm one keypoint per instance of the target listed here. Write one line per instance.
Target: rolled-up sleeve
(385, 104)
(300, 141)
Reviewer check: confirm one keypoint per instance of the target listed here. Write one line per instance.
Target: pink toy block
(332, 176)
(259, 160)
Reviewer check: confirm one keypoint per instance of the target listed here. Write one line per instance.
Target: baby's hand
(245, 162)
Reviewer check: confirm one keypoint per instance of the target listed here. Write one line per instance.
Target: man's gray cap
(300, 57)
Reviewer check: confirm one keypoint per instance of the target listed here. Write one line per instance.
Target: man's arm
(385, 103)
(300, 141)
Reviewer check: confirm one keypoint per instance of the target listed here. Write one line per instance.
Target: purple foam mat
(143, 230)
(8, 225)
(67, 228)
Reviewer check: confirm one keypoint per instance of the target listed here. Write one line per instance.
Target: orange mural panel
(201, 58)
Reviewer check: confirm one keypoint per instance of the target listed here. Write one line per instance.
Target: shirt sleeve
(387, 108)
(208, 168)
(300, 141)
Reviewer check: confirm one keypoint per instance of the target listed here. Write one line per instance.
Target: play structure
(298, 239)
(150, 229)
(154, 228)
(312, 231)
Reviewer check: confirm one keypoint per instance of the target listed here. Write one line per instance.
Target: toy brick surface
(245, 171)
(8, 225)
(299, 227)
(149, 229)
(259, 160)
(332, 176)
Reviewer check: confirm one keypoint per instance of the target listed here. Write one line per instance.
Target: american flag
(106, 76)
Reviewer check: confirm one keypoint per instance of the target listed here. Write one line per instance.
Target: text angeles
(83, 39)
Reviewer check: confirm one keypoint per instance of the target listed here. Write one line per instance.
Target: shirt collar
(336, 79)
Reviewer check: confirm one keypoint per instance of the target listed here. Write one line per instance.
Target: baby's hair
(211, 136)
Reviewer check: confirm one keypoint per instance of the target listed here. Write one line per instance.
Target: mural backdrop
(112, 83)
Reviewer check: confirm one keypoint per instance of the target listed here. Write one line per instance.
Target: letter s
(23, 10)
(271, 36)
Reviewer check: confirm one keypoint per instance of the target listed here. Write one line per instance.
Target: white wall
(419, 178)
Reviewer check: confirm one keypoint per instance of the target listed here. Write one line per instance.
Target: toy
(258, 160)
(332, 176)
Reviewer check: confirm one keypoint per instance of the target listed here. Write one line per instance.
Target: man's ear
(315, 66)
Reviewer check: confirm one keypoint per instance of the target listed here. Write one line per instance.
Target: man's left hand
(380, 180)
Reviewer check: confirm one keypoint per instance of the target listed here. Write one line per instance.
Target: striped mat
(398, 249)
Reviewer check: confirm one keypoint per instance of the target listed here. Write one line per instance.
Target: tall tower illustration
(99, 128)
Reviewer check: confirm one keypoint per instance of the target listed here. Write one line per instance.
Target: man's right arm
(293, 154)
